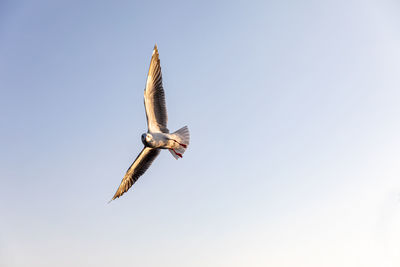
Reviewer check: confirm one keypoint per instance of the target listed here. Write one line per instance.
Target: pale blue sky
(293, 108)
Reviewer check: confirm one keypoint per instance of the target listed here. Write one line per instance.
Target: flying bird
(157, 136)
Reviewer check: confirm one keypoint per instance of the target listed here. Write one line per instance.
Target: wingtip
(110, 200)
(155, 50)
(113, 198)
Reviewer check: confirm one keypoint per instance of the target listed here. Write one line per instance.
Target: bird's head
(146, 138)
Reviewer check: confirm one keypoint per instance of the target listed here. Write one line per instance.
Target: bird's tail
(182, 138)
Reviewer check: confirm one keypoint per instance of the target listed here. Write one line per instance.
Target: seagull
(157, 136)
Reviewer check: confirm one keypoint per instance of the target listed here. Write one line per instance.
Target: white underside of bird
(158, 136)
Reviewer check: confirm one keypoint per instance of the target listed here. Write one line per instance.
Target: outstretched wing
(154, 97)
(138, 167)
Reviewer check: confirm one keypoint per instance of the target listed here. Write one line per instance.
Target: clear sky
(293, 108)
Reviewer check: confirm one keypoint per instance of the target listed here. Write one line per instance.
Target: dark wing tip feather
(155, 52)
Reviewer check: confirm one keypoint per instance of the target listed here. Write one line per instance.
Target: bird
(158, 136)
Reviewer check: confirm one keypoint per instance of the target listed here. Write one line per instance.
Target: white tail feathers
(182, 138)
(183, 135)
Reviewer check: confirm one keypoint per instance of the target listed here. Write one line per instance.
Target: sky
(293, 109)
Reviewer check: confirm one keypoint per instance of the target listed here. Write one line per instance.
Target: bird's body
(156, 140)
(157, 136)
(161, 140)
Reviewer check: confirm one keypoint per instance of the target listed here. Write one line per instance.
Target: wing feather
(138, 167)
(154, 97)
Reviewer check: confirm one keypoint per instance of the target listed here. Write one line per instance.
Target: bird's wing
(138, 167)
(154, 97)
